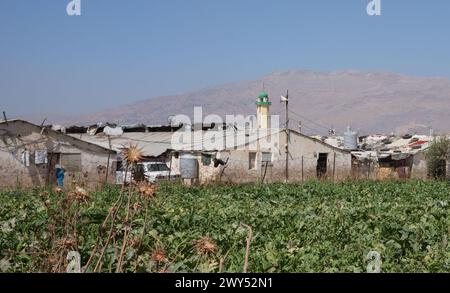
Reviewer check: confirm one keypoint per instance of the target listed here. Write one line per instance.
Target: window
(153, 168)
(158, 167)
(266, 157)
(206, 159)
(40, 157)
(163, 167)
(252, 161)
(71, 162)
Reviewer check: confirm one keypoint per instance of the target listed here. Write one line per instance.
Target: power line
(325, 130)
(309, 120)
(311, 128)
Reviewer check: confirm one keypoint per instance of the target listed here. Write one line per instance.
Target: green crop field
(315, 227)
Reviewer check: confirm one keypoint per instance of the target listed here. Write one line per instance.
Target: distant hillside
(369, 101)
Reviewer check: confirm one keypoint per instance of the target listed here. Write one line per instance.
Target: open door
(322, 166)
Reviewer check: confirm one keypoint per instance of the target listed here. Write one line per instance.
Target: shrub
(437, 157)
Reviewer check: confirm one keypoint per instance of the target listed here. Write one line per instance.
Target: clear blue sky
(120, 51)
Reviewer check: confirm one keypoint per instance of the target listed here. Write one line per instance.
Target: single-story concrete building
(262, 158)
(29, 153)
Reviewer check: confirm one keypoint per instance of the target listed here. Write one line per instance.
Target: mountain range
(381, 102)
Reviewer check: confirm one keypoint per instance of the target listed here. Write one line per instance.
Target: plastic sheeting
(113, 131)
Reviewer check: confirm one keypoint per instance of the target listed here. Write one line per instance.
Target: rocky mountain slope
(369, 101)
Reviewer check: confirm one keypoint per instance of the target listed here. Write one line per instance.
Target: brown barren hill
(369, 101)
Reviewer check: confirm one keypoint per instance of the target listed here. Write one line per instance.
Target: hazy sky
(121, 51)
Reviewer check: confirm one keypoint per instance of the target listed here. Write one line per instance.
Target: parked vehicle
(147, 171)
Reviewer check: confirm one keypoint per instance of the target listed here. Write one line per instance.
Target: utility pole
(286, 100)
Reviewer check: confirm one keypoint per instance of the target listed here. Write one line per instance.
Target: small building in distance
(262, 158)
(29, 154)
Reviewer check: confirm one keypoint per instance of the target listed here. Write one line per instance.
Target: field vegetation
(313, 227)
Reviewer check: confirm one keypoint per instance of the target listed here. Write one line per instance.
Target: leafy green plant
(313, 227)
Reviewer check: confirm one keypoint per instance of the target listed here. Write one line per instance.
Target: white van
(151, 171)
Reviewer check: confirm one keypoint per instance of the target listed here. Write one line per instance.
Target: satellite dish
(285, 99)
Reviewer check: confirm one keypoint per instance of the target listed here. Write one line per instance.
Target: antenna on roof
(4, 116)
(42, 126)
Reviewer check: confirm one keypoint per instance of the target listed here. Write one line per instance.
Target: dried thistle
(134, 242)
(159, 255)
(43, 194)
(147, 190)
(81, 195)
(132, 154)
(205, 246)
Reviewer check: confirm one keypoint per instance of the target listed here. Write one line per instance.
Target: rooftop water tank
(188, 166)
(350, 139)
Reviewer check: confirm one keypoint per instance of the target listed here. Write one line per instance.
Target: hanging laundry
(25, 158)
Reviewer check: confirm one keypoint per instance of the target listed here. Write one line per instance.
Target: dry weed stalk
(112, 214)
(247, 247)
(132, 155)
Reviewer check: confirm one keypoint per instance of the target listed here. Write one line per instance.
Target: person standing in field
(60, 172)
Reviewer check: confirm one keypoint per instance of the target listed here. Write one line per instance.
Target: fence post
(302, 171)
(334, 167)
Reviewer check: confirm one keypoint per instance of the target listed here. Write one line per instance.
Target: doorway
(322, 166)
(53, 160)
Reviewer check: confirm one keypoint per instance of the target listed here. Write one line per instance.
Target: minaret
(262, 110)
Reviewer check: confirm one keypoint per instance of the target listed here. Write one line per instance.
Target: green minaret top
(263, 95)
(263, 99)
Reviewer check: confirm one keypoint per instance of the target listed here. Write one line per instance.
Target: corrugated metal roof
(152, 144)
(155, 144)
(48, 129)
